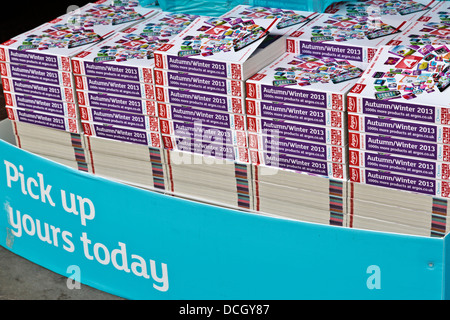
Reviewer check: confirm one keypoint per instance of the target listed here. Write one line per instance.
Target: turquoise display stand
(139, 244)
(216, 8)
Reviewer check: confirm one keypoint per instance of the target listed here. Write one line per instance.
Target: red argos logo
(358, 88)
(258, 77)
(354, 157)
(2, 54)
(296, 34)
(353, 122)
(290, 46)
(158, 60)
(166, 47)
(83, 54)
(394, 43)
(424, 19)
(251, 107)
(251, 90)
(354, 175)
(129, 30)
(351, 104)
(354, 140)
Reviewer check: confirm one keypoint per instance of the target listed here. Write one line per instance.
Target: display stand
(139, 244)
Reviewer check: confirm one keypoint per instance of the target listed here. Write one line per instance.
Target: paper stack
(116, 97)
(210, 179)
(131, 163)
(57, 145)
(399, 140)
(38, 81)
(296, 122)
(200, 91)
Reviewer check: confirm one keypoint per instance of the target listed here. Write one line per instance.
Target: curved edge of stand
(138, 244)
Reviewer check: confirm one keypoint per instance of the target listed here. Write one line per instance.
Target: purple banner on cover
(43, 105)
(400, 182)
(44, 120)
(208, 118)
(120, 134)
(400, 164)
(36, 89)
(410, 130)
(192, 82)
(293, 130)
(118, 118)
(202, 133)
(401, 147)
(398, 110)
(35, 74)
(331, 50)
(296, 164)
(274, 144)
(195, 99)
(114, 87)
(193, 65)
(206, 148)
(293, 113)
(106, 70)
(33, 59)
(116, 103)
(294, 96)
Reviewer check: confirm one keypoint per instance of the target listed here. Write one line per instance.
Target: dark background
(19, 16)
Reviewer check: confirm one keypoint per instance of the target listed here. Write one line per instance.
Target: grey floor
(21, 279)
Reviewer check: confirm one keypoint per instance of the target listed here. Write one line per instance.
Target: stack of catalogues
(38, 80)
(296, 122)
(200, 88)
(399, 140)
(116, 97)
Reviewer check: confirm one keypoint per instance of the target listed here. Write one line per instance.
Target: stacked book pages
(116, 96)
(200, 88)
(340, 118)
(399, 140)
(38, 81)
(296, 122)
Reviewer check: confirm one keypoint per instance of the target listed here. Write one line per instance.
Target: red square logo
(3, 70)
(441, 32)
(408, 62)
(310, 65)
(354, 175)
(2, 54)
(353, 122)
(160, 94)
(354, 157)
(354, 140)
(344, 24)
(358, 88)
(251, 90)
(351, 104)
(217, 30)
(251, 107)
(134, 43)
(258, 15)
